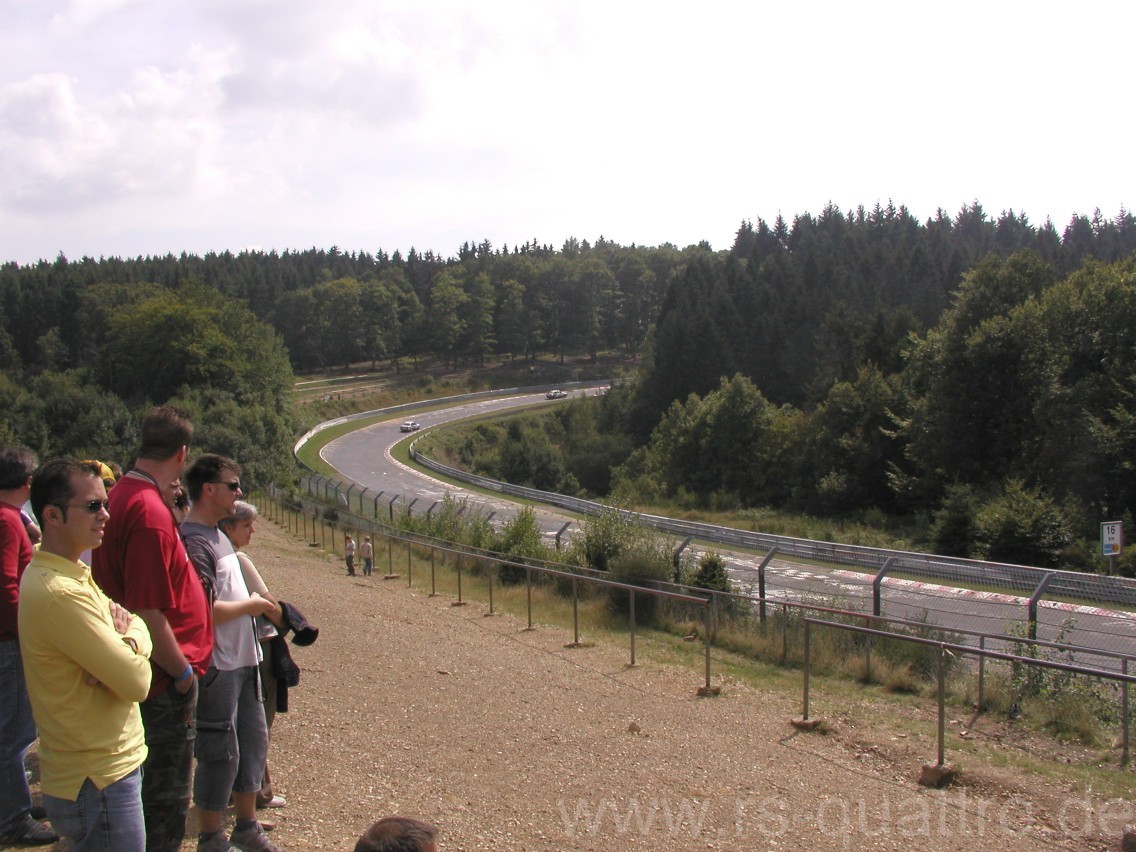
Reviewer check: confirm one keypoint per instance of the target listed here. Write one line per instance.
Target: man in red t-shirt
(17, 727)
(143, 566)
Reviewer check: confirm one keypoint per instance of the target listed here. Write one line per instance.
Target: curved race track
(364, 456)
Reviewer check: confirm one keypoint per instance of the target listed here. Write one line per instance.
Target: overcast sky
(133, 127)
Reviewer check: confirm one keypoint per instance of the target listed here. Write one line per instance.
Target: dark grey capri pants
(232, 738)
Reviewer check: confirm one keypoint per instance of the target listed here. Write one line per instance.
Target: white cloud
(129, 127)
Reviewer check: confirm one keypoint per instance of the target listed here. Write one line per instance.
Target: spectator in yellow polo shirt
(87, 663)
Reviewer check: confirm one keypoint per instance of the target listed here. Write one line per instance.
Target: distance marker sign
(1112, 538)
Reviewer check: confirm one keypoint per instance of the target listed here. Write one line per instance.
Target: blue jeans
(17, 733)
(107, 820)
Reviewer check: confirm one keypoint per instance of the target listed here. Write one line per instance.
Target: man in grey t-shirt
(232, 738)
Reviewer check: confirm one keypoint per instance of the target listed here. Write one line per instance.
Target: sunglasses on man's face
(91, 506)
(232, 486)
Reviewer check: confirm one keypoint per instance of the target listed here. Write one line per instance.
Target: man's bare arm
(254, 605)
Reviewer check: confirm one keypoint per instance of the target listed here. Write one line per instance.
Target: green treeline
(1006, 427)
(111, 350)
(1010, 425)
(970, 370)
(332, 309)
(810, 298)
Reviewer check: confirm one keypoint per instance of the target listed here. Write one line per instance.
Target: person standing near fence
(368, 556)
(349, 554)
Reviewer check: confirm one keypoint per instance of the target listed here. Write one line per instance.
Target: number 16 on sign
(1112, 541)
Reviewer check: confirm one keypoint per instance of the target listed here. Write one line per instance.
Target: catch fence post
(942, 704)
(528, 593)
(761, 583)
(808, 664)
(575, 617)
(1124, 714)
(709, 612)
(1033, 601)
(390, 559)
(632, 610)
(785, 634)
(981, 673)
(877, 607)
(459, 560)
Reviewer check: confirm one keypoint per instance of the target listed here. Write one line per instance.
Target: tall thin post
(808, 661)
(942, 704)
(868, 655)
(785, 634)
(761, 582)
(981, 673)
(709, 613)
(528, 592)
(1124, 714)
(575, 616)
(632, 611)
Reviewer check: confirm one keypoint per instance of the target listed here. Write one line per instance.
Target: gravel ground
(508, 740)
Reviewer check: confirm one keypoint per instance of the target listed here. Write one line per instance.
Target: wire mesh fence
(990, 599)
(1012, 661)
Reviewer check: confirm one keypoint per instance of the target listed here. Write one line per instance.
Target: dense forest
(836, 363)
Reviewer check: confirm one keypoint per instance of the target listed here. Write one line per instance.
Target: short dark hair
(51, 483)
(165, 430)
(397, 834)
(16, 465)
(206, 468)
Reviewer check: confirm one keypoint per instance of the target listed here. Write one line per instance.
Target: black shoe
(28, 832)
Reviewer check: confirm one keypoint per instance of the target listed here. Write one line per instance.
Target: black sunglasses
(92, 506)
(232, 486)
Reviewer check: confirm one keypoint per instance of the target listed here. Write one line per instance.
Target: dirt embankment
(508, 740)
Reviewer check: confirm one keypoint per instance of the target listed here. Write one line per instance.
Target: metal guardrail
(944, 569)
(329, 493)
(1093, 588)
